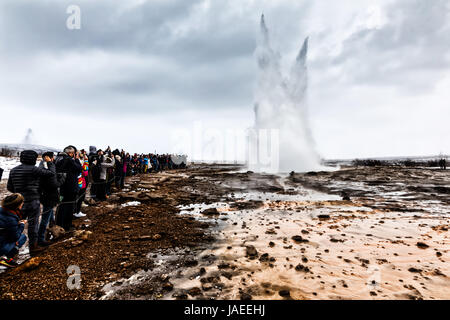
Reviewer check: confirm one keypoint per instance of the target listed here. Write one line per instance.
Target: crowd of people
(59, 184)
(443, 164)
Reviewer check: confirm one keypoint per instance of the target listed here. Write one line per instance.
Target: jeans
(11, 249)
(31, 211)
(47, 215)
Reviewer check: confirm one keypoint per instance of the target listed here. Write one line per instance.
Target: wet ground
(220, 232)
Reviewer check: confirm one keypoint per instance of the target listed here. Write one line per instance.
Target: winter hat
(13, 201)
(92, 149)
(49, 154)
(71, 146)
(28, 157)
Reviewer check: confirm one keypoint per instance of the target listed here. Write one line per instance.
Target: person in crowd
(1, 173)
(110, 175)
(118, 170)
(443, 164)
(93, 172)
(12, 225)
(49, 195)
(106, 162)
(68, 162)
(25, 179)
(83, 182)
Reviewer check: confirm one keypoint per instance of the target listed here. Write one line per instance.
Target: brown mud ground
(215, 232)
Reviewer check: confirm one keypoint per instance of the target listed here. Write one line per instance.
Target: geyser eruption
(29, 137)
(281, 139)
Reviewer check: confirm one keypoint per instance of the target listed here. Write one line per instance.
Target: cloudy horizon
(138, 73)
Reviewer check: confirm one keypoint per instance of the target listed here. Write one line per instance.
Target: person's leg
(14, 247)
(81, 197)
(122, 181)
(66, 211)
(70, 208)
(32, 211)
(47, 213)
(101, 190)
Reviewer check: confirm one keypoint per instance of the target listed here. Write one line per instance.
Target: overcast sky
(138, 72)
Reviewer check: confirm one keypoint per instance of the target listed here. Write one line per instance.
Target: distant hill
(14, 149)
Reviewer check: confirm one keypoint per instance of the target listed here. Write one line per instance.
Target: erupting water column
(281, 139)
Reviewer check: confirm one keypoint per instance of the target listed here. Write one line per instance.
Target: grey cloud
(410, 51)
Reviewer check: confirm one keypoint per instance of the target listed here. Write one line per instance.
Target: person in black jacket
(25, 179)
(11, 229)
(94, 172)
(1, 173)
(49, 195)
(68, 162)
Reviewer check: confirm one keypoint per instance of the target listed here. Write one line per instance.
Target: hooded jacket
(105, 165)
(25, 178)
(72, 168)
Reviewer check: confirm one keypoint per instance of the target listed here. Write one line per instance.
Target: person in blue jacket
(11, 229)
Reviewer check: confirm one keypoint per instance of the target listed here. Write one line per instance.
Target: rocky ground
(220, 232)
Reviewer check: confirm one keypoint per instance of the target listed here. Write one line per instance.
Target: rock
(284, 293)
(227, 275)
(191, 263)
(345, 196)
(207, 286)
(245, 296)
(299, 239)
(422, 245)
(323, 216)
(224, 265)
(202, 271)
(31, 264)
(76, 242)
(414, 270)
(251, 252)
(210, 212)
(195, 291)
(168, 286)
(301, 267)
(438, 272)
(144, 238)
(85, 236)
(271, 244)
(264, 257)
(57, 232)
(181, 295)
(156, 237)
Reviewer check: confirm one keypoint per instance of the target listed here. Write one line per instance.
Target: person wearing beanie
(68, 162)
(11, 229)
(25, 179)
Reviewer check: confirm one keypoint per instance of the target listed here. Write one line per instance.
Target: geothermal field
(222, 232)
